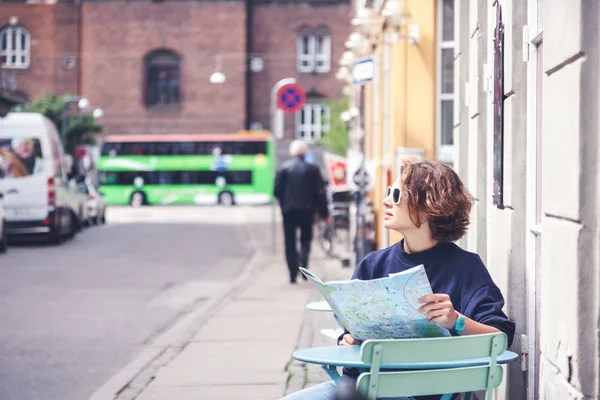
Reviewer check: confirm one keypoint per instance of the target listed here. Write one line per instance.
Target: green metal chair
(445, 354)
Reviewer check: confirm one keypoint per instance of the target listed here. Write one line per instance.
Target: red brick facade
(117, 36)
(113, 38)
(53, 30)
(275, 33)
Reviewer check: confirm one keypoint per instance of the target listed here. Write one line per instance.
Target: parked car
(37, 199)
(3, 234)
(80, 200)
(95, 203)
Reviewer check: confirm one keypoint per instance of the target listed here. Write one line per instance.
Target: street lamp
(217, 77)
(98, 113)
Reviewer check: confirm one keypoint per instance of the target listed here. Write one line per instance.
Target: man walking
(300, 189)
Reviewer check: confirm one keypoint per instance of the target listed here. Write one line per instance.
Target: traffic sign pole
(277, 131)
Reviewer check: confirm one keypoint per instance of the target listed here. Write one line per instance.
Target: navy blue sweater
(452, 271)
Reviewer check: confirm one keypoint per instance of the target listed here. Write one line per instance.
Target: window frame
(15, 31)
(325, 55)
(445, 152)
(313, 132)
(312, 57)
(306, 57)
(172, 63)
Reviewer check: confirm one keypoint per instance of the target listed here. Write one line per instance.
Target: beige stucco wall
(569, 276)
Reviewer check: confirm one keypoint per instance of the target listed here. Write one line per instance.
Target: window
(15, 47)
(126, 178)
(445, 80)
(312, 121)
(110, 149)
(314, 51)
(162, 78)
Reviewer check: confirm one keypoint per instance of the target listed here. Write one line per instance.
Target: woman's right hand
(348, 340)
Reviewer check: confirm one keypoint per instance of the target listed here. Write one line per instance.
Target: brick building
(147, 64)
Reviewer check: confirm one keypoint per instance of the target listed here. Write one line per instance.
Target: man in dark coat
(300, 189)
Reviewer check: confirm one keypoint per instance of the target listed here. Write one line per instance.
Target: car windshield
(20, 157)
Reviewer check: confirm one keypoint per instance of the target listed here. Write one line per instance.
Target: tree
(82, 128)
(337, 139)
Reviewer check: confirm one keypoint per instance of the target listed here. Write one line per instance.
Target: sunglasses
(396, 194)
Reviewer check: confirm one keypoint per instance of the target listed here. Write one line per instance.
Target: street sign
(363, 71)
(336, 171)
(361, 178)
(291, 98)
(360, 172)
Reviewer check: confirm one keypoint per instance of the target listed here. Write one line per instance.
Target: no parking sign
(291, 98)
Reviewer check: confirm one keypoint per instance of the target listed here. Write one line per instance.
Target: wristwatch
(459, 325)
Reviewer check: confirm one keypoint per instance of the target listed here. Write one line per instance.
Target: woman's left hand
(439, 309)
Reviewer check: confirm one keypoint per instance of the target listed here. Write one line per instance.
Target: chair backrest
(446, 352)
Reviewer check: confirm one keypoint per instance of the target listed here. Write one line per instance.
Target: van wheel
(137, 199)
(74, 225)
(226, 199)
(56, 230)
(3, 238)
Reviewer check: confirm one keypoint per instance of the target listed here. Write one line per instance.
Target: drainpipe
(249, 21)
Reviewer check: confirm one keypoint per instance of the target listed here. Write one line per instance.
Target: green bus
(222, 169)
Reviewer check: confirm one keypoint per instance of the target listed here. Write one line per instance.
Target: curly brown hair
(435, 193)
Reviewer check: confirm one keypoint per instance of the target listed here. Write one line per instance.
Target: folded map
(384, 308)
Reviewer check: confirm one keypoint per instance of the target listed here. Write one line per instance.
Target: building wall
(117, 36)
(275, 33)
(401, 104)
(569, 366)
(567, 289)
(46, 23)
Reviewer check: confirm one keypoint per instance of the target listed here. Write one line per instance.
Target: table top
(319, 306)
(349, 356)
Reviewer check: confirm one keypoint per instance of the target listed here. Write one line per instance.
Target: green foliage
(337, 139)
(81, 127)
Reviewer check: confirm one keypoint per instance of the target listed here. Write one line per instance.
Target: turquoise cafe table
(331, 357)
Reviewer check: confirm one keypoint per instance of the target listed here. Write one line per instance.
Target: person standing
(300, 190)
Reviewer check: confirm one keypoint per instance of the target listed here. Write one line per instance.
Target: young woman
(430, 207)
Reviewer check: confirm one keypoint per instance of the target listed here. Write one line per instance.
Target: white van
(33, 179)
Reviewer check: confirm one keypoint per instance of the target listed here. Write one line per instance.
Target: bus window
(137, 149)
(111, 149)
(239, 177)
(146, 148)
(183, 148)
(249, 148)
(187, 177)
(162, 149)
(166, 177)
(202, 148)
(108, 178)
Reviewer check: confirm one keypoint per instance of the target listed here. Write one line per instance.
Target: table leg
(332, 372)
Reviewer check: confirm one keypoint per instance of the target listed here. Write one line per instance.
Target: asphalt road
(71, 316)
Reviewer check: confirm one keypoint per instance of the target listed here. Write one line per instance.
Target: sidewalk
(244, 349)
